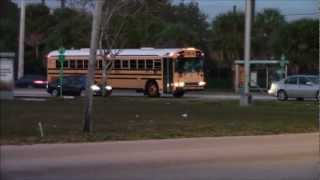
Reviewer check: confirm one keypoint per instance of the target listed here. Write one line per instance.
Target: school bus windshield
(189, 65)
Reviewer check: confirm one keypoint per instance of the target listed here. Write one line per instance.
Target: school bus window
(58, 65)
(133, 64)
(85, 62)
(72, 64)
(157, 65)
(100, 64)
(117, 64)
(66, 64)
(141, 64)
(80, 64)
(125, 64)
(149, 64)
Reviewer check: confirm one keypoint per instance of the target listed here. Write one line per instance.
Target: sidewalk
(204, 95)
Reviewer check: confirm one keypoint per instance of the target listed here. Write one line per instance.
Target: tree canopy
(9, 18)
(154, 23)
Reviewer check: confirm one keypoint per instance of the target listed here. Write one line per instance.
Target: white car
(296, 86)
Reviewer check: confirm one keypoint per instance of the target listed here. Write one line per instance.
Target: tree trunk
(104, 76)
(91, 66)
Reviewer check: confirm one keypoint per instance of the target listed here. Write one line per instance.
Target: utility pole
(245, 97)
(62, 3)
(234, 9)
(21, 40)
(91, 65)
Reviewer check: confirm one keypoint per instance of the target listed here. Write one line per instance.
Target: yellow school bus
(149, 70)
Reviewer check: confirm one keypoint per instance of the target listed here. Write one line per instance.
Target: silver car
(297, 86)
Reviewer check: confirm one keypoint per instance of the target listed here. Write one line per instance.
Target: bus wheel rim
(152, 90)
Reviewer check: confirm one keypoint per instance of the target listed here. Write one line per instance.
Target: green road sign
(283, 62)
(61, 60)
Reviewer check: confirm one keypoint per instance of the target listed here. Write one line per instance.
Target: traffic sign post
(61, 60)
(283, 64)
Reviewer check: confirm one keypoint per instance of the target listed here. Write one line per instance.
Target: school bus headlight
(202, 83)
(95, 88)
(179, 84)
(108, 88)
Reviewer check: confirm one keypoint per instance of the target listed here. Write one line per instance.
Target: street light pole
(246, 96)
(91, 65)
(21, 40)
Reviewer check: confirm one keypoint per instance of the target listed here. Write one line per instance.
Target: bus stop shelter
(6, 75)
(262, 73)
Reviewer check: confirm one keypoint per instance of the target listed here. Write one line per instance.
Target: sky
(292, 9)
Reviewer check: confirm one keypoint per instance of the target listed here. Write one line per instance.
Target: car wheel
(55, 92)
(282, 95)
(152, 89)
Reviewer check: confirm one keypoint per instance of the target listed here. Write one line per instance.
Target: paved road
(201, 95)
(278, 157)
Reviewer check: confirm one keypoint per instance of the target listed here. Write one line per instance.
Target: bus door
(167, 75)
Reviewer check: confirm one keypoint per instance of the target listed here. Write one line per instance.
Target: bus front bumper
(193, 86)
(189, 88)
(199, 88)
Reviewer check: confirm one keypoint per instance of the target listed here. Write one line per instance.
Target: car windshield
(189, 65)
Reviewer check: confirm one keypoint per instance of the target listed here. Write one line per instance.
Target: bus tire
(178, 93)
(152, 89)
